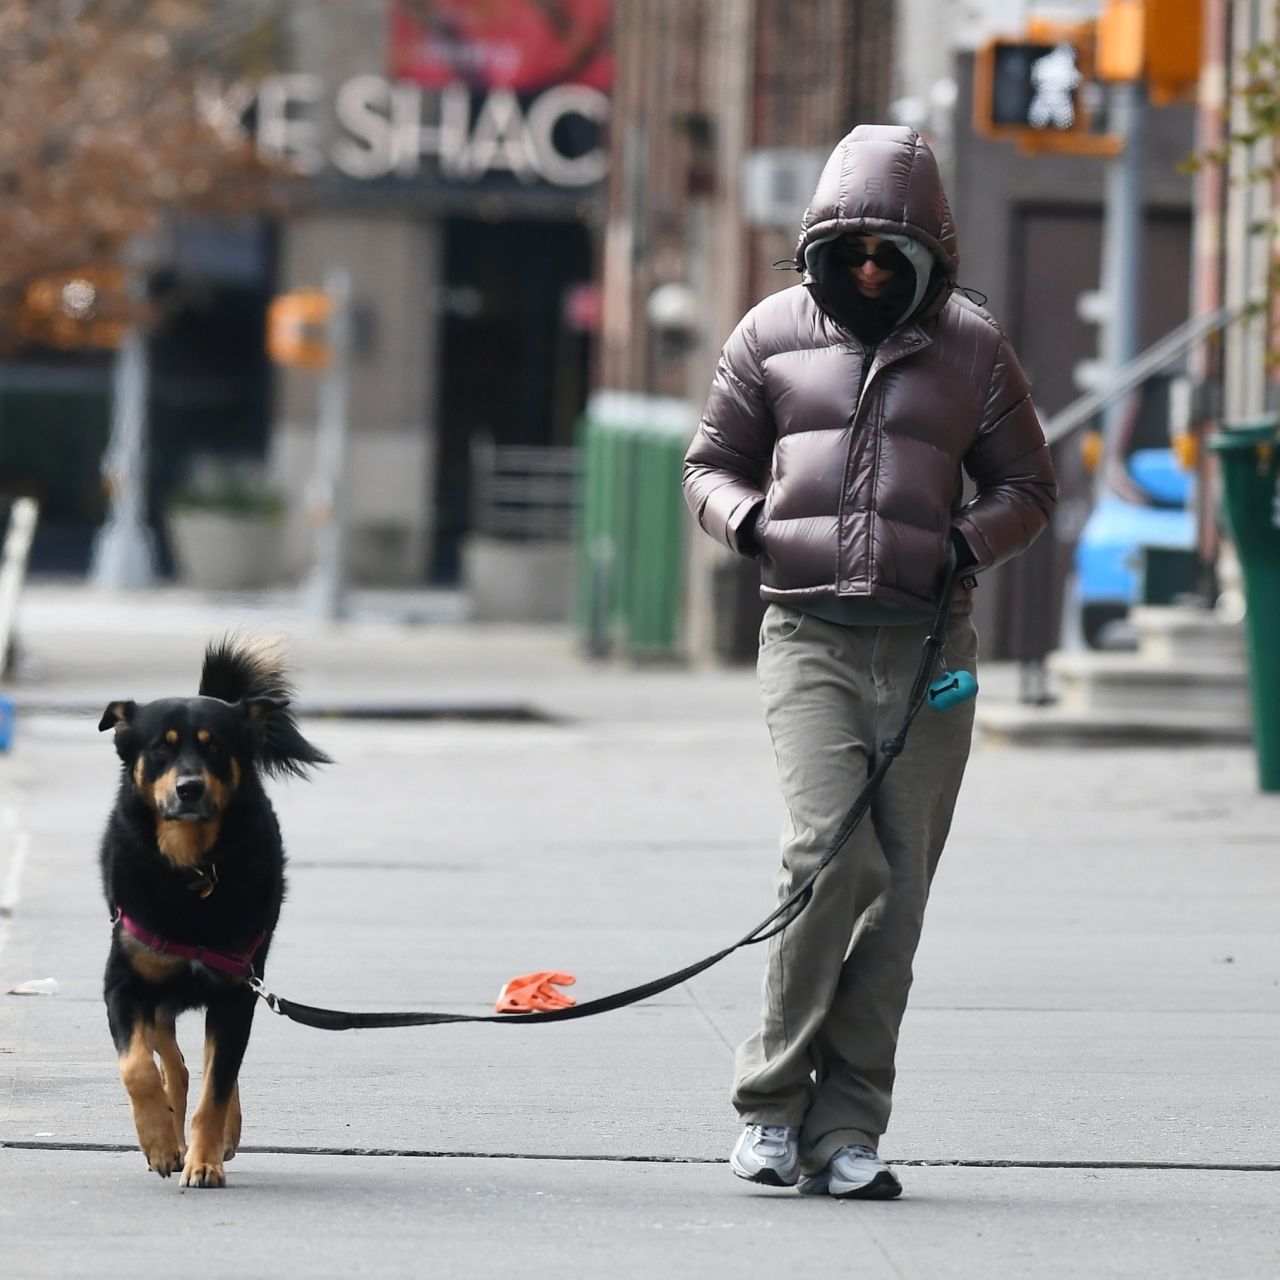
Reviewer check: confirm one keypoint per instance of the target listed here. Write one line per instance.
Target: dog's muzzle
(190, 801)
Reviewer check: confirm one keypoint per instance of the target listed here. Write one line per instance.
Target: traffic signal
(1012, 88)
(1153, 40)
(1023, 84)
(1033, 90)
(298, 329)
(1120, 40)
(1173, 48)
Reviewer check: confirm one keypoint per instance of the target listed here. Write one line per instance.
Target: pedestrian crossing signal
(1021, 86)
(1035, 90)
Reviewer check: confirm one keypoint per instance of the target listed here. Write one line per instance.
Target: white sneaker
(854, 1173)
(767, 1153)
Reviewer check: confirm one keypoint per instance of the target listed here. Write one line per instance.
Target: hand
(962, 551)
(747, 542)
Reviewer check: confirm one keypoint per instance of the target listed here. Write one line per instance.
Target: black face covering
(870, 319)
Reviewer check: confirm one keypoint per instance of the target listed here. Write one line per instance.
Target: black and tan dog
(193, 871)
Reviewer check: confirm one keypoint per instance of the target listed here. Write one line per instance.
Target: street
(1086, 1075)
(505, 361)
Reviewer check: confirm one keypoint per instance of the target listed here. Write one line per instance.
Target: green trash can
(654, 586)
(1249, 454)
(604, 539)
(594, 596)
(631, 535)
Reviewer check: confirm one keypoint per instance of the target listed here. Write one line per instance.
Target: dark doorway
(1059, 256)
(511, 368)
(54, 413)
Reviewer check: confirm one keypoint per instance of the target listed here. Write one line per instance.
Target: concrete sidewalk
(410, 651)
(1087, 1075)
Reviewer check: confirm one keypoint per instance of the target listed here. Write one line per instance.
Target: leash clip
(254, 983)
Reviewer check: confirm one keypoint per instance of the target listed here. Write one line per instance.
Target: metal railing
(526, 493)
(1153, 360)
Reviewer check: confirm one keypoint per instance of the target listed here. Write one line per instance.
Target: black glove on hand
(747, 543)
(964, 554)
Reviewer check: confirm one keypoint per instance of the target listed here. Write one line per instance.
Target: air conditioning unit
(778, 183)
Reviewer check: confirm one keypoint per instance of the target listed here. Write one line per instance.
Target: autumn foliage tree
(102, 143)
(1252, 134)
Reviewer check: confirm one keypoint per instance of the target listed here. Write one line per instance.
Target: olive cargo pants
(836, 984)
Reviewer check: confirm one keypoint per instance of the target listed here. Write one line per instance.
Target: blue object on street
(6, 723)
(1159, 473)
(1108, 558)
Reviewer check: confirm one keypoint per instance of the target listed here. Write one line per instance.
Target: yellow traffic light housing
(298, 329)
(1121, 40)
(1153, 40)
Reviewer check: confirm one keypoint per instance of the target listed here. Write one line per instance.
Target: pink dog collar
(239, 966)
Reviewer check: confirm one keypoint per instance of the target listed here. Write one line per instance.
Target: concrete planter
(515, 581)
(225, 551)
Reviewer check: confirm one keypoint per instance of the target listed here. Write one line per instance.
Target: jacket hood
(883, 180)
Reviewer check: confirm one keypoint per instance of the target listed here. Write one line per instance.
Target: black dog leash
(783, 915)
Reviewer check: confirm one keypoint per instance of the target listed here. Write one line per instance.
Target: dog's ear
(118, 715)
(257, 711)
(278, 744)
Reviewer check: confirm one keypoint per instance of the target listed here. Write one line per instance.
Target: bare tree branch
(102, 140)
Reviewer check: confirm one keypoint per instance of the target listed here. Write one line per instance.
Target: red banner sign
(524, 46)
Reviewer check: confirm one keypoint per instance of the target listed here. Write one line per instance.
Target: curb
(1019, 726)
(355, 709)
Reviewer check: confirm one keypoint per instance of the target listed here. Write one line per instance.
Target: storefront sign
(379, 128)
(522, 45)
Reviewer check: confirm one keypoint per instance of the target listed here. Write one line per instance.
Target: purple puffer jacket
(857, 455)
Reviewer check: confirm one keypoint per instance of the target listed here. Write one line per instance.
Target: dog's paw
(202, 1173)
(231, 1135)
(163, 1157)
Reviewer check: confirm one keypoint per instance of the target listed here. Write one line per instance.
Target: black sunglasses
(886, 257)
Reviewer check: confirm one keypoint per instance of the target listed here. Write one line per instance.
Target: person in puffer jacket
(845, 413)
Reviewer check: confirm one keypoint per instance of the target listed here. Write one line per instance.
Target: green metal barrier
(631, 553)
(1249, 454)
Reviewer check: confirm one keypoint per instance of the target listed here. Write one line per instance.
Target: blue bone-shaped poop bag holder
(951, 688)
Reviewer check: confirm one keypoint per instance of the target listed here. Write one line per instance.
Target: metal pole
(123, 555)
(23, 516)
(324, 591)
(1122, 242)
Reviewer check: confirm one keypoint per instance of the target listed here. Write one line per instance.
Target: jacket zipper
(868, 359)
